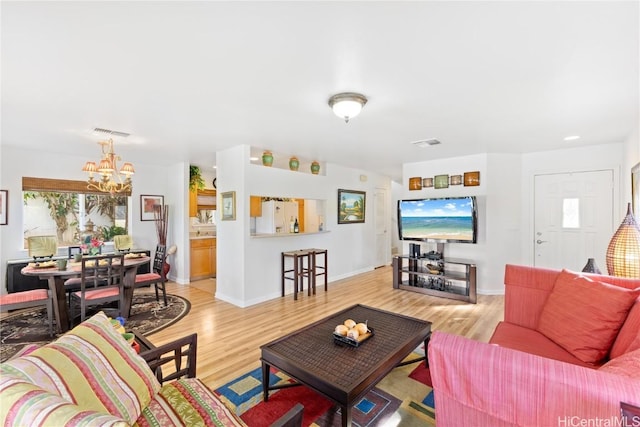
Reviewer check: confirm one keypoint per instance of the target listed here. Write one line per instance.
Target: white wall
(249, 268)
(16, 163)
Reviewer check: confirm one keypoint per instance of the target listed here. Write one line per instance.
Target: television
(439, 220)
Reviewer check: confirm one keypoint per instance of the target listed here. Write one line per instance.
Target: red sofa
(567, 353)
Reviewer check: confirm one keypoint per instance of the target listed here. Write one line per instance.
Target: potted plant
(195, 178)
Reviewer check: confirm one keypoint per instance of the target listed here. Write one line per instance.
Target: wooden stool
(298, 269)
(315, 267)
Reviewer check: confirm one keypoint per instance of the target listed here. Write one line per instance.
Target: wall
(249, 269)
(16, 163)
(497, 210)
(505, 199)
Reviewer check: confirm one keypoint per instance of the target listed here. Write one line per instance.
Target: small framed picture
(4, 207)
(351, 205)
(455, 180)
(415, 183)
(441, 181)
(149, 205)
(472, 179)
(427, 182)
(228, 206)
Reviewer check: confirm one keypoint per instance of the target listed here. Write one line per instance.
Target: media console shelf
(446, 277)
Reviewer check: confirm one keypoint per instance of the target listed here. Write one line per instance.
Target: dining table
(56, 277)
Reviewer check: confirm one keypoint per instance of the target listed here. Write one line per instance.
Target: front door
(573, 219)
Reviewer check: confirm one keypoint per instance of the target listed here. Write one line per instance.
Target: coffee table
(340, 372)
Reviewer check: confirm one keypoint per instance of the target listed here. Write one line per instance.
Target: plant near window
(195, 178)
(60, 205)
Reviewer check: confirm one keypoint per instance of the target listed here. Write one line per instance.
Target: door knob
(540, 241)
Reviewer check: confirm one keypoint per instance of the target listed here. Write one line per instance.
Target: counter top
(261, 235)
(202, 236)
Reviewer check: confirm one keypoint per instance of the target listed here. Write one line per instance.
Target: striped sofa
(91, 376)
(567, 353)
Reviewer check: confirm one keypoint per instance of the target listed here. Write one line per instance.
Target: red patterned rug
(404, 397)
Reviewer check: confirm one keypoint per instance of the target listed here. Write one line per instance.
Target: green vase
(294, 163)
(267, 158)
(315, 168)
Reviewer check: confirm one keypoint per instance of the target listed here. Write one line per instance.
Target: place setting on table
(57, 271)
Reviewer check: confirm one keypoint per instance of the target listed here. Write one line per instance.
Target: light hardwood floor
(229, 337)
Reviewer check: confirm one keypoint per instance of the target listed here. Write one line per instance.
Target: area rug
(30, 326)
(403, 398)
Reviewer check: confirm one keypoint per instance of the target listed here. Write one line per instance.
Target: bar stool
(315, 267)
(298, 269)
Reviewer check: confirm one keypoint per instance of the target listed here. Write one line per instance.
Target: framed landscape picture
(351, 206)
(148, 205)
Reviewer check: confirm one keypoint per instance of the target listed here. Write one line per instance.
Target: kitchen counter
(202, 236)
(262, 235)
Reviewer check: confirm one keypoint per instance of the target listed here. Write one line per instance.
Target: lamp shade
(623, 252)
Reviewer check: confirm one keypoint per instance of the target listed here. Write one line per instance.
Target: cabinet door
(255, 208)
(200, 259)
(214, 265)
(193, 203)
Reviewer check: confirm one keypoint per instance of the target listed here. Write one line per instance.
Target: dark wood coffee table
(342, 373)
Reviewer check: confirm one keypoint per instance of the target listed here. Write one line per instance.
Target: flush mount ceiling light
(347, 105)
(426, 143)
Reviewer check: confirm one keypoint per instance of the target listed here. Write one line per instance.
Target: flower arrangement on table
(91, 246)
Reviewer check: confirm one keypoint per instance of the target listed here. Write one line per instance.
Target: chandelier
(111, 180)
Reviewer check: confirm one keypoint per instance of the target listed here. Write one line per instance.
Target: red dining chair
(157, 276)
(101, 282)
(26, 299)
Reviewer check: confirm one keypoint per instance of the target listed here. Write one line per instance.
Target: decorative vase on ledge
(267, 158)
(315, 168)
(591, 267)
(294, 163)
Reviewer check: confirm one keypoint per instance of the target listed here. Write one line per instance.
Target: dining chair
(73, 250)
(157, 275)
(101, 282)
(31, 298)
(123, 243)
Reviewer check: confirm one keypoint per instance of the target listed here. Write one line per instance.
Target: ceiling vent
(110, 132)
(426, 143)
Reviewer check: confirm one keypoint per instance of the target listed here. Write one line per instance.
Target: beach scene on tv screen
(438, 219)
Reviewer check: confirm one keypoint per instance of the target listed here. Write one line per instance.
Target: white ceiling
(189, 78)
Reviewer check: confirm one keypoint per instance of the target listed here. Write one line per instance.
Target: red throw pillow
(584, 316)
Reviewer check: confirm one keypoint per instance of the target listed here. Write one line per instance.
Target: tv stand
(445, 277)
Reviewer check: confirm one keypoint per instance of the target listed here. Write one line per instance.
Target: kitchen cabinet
(255, 206)
(276, 217)
(203, 258)
(193, 203)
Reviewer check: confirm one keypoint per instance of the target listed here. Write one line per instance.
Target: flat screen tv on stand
(438, 220)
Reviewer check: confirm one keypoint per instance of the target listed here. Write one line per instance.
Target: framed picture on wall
(148, 205)
(228, 206)
(351, 206)
(4, 207)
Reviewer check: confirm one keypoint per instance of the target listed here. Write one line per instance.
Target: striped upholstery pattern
(25, 404)
(98, 293)
(93, 367)
(628, 364)
(187, 402)
(517, 388)
(26, 296)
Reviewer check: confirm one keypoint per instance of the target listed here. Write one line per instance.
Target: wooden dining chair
(123, 243)
(40, 247)
(101, 282)
(157, 276)
(26, 299)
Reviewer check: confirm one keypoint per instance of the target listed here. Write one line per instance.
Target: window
(69, 211)
(571, 213)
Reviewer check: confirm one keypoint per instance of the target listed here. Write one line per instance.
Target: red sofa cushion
(628, 365)
(530, 341)
(628, 338)
(576, 317)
